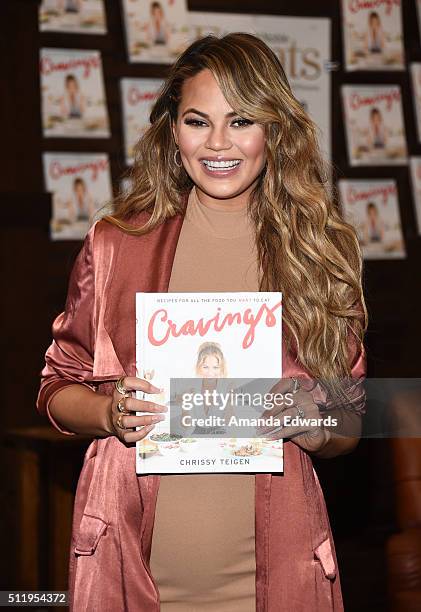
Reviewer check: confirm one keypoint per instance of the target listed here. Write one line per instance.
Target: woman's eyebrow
(194, 110)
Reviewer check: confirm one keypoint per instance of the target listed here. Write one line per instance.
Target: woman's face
(222, 152)
(210, 367)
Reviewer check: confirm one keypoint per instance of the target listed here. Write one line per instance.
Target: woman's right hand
(128, 419)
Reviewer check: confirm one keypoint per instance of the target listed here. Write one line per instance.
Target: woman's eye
(239, 121)
(194, 122)
(243, 122)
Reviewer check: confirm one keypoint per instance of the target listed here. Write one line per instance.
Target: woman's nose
(219, 138)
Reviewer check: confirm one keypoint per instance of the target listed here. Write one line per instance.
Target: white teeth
(213, 165)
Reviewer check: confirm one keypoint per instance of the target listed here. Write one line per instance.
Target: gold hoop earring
(175, 158)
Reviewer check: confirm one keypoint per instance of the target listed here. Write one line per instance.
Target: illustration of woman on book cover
(73, 102)
(373, 226)
(82, 202)
(374, 38)
(377, 134)
(158, 30)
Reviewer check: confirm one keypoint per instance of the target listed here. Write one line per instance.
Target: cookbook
(372, 35)
(215, 358)
(372, 207)
(138, 97)
(374, 125)
(415, 72)
(72, 94)
(81, 16)
(156, 32)
(80, 184)
(415, 170)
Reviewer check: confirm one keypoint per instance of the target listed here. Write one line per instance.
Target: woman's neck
(235, 203)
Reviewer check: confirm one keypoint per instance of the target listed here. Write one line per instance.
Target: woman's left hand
(307, 434)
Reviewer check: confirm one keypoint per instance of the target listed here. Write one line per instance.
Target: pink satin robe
(94, 344)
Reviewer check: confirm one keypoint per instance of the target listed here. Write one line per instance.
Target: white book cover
(81, 16)
(80, 185)
(138, 96)
(156, 32)
(415, 71)
(73, 99)
(210, 339)
(302, 45)
(415, 167)
(374, 125)
(372, 35)
(372, 207)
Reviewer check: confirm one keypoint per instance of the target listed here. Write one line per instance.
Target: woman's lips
(220, 172)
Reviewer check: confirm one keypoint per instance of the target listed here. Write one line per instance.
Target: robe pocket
(90, 531)
(323, 553)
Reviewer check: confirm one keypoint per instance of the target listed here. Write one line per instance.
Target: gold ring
(120, 387)
(121, 405)
(119, 423)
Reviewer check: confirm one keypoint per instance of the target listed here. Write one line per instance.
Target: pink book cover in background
(219, 341)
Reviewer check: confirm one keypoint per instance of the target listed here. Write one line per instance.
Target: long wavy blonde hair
(305, 248)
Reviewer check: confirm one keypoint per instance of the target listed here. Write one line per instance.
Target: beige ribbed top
(203, 545)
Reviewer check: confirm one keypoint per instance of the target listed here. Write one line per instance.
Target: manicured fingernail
(158, 417)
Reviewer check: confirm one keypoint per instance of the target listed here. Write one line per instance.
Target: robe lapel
(144, 263)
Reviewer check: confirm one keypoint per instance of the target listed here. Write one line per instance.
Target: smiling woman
(224, 154)
(229, 194)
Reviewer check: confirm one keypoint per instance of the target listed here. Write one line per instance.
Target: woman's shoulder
(106, 229)
(106, 233)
